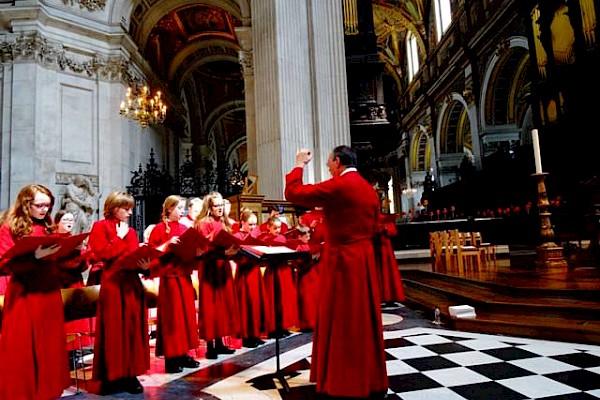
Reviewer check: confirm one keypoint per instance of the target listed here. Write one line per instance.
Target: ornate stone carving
(90, 5)
(34, 47)
(247, 62)
(502, 47)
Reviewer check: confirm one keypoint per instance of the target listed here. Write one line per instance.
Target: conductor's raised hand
(303, 157)
(42, 252)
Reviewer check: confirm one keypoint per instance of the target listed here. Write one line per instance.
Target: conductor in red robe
(348, 356)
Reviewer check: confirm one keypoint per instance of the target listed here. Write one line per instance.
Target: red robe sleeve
(307, 195)
(106, 244)
(6, 242)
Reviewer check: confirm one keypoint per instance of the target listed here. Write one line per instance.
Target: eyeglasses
(42, 205)
(217, 205)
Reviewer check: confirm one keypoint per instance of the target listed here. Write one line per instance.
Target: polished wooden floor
(548, 303)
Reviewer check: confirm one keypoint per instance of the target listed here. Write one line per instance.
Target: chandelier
(141, 107)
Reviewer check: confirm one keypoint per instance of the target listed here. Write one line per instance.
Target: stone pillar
(244, 35)
(332, 122)
(300, 86)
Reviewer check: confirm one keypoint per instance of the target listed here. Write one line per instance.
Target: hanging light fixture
(141, 107)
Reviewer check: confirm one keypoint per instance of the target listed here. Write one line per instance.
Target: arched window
(412, 52)
(443, 17)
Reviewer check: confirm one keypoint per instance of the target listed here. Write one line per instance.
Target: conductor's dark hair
(346, 155)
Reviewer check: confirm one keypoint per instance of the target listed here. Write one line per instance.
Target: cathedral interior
(440, 97)
(470, 110)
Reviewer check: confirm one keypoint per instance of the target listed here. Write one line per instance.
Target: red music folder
(68, 245)
(225, 240)
(28, 244)
(253, 241)
(130, 261)
(189, 242)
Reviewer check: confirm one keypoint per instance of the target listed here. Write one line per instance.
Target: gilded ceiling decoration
(182, 27)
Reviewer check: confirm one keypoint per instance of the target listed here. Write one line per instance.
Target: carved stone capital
(35, 48)
(247, 62)
(90, 5)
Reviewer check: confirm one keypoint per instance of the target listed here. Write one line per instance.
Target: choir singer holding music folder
(33, 346)
(348, 356)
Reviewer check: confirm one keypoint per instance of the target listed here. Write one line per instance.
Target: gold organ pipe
(539, 49)
(588, 16)
(350, 17)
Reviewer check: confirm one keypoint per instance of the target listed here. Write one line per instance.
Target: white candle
(537, 156)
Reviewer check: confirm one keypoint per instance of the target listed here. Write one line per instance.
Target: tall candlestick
(537, 156)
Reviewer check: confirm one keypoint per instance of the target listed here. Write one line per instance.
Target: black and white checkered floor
(424, 361)
(428, 363)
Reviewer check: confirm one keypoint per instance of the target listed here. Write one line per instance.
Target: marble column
(244, 35)
(300, 86)
(330, 84)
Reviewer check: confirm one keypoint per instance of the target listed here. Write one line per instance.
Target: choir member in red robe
(235, 225)
(307, 281)
(194, 205)
(287, 303)
(33, 350)
(250, 287)
(121, 348)
(348, 358)
(176, 309)
(217, 303)
(274, 212)
(70, 277)
(390, 281)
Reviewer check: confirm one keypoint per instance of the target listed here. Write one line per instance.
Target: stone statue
(81, 199)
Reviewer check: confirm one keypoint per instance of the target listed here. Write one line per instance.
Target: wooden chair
(489, 249)
(447, 246)
(435, 251)
(465, 255)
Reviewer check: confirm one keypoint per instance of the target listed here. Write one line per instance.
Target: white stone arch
(221, 112)
(232, 155)
(452, 97)
(515, 41)
(205, 59)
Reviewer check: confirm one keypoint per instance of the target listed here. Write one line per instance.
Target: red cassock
(251, 295)
(308, 290)
(121, 348)
(288, 301)
(33, 350)
(348, 357)
(70, 277)
(177, 328)
(217, 302)
(390, 281)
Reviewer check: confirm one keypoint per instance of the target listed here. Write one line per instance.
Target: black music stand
(272, 255)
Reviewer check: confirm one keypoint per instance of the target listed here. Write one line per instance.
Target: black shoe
(211, 354)
(109, 387)
(259, 341)
(172, 365)
(132, 385)
(188, 362)
(221, 348)
(251, 343)
(224, 350)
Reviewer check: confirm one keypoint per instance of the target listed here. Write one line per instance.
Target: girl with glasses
(33, 343)
(217, 309)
